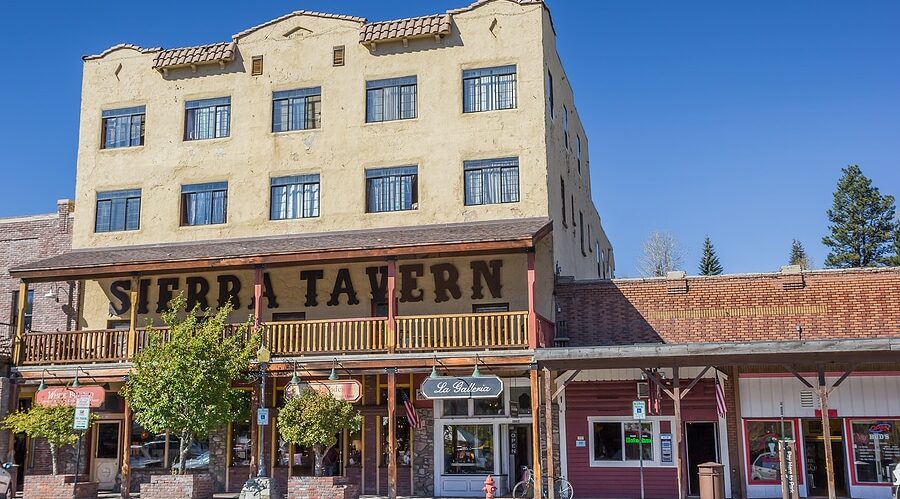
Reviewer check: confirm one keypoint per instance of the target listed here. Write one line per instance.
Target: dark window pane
(607, 441)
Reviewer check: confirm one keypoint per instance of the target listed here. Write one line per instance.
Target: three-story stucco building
(386, 197)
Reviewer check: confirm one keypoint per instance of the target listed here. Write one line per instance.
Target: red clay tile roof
(203, 54)
(120, 260)
(414, 27)
(119, 47)
(298, 13)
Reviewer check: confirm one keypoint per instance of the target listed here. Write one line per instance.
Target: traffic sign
(262, 416)
(639, 409)
(82, 417)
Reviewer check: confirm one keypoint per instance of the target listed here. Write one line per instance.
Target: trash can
(712, 481)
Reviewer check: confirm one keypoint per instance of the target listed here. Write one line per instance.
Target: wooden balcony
(410, 334)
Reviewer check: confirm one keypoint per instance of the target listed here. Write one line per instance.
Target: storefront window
(468, 449)
(876, 449)
(519, 401)
(762, 440)
(403, 439)
(148, 450)
(489, 407)
(617, 441)
(456, 407)
(241, 447)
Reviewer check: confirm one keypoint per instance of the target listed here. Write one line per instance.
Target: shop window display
(876, 449)
(468, 449)
(762, 442)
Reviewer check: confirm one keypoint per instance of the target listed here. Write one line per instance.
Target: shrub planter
(58, 486)
(321, 487)
(197, 486)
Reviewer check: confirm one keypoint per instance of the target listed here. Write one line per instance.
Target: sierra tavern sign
(416, 282)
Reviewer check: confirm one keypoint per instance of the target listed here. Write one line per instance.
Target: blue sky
(727, 119)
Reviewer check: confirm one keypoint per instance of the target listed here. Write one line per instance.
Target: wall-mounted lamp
(54, 292)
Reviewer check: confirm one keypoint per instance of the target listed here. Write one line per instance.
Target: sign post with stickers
(80, 424)
(639, 412)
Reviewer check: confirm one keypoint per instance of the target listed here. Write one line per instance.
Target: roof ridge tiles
(119, 46)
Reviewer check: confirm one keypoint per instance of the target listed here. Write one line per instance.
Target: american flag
(720, 399)
(411, 415)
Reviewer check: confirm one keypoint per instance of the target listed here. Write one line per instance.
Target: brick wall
(321, 488)
(815, 305)
(198, 486)
(57, 487)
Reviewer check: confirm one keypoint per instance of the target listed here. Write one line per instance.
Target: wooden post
(392, 432)
(548, 428)
(535, 430)
(126, 449)
(254, 433)
(532, 313)
(19, 353)
(736, 415)
(679, 432)
(391, 305)
(826, 432)
(257, 296)
(133, 296)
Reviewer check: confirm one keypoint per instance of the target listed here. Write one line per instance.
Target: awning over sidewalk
(720, 354)
(322, 247)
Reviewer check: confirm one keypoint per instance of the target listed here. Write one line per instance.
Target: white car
(6, 485)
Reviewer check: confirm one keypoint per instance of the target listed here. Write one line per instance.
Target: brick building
(774, 343)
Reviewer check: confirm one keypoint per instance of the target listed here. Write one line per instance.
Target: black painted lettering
(197, 289)
(446, 282)
(119, 290)
(268, 292)
(486, 273)
(378, 283)
(343, 285)
(166, 286)
(409, 282)
(229, 291)
(311, 277)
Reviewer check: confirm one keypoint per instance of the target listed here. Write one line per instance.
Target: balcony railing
(489, 331)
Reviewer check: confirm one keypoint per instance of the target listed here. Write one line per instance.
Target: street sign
(82, 417)
(639, 409)
(462, 387)
(262, 417)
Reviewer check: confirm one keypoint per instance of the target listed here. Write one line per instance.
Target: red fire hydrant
(489, 488)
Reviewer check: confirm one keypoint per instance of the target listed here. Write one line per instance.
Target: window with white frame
(474, 407)
(622, 441)
(489, 89)
(295, 196)
(123, 127)
(391, 99)
(491, 181)
(299, 109)
(207, 118)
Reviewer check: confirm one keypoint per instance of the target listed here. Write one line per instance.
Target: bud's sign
(62, 395)
(880, 431)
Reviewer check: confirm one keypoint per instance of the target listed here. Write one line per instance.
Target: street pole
(77, 464)
(641, 453)
(262, 429)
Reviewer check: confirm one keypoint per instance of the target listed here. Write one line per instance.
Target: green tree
(181, 382)
(53, 423)
(314, 419)
(799, 256)
(862, 223)
(895, 260)
(709, 262)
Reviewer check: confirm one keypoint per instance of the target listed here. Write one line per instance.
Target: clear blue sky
(731, 119)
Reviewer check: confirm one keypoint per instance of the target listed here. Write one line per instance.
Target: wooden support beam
(565, 383)
(21, 307)
(734, 378)
(535, 430)
(843, 377)
(679, 432)
(826, 432)
(257, 297)
(797, 375)
(133, 300)
(533, 340)
(392, 432)
(548, 429)
(391, 305)
(694, 381)
(126, 450)
(658, 382)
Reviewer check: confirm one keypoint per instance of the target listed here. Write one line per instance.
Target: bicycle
(525, 488)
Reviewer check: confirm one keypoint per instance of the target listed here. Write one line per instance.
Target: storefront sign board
(463, 387)
(348, 390)
(63, 395)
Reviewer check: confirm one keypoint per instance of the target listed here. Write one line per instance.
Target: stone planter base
(199, 486)
(321, 487)
(58, 486)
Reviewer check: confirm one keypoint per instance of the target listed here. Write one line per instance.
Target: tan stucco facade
(297, 53)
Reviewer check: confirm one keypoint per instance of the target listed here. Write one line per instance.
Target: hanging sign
(348, 390)
(63, 395)
(462, 387)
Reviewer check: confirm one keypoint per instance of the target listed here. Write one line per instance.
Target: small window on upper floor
(550, 92)
(256, 65)
(581, 231)
(489, 89)
(562, 191)
(295, 197)
(565, 117)
(207, 118)
(204, 204)
(299, 109)
(123, 127)
(578, 151)
(391, 99)
(491, 181)
(118, 211)
(337, 56)
(392, 189)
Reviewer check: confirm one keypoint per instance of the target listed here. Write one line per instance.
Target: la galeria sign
(446, 282)
(463, 387)
(63, 395)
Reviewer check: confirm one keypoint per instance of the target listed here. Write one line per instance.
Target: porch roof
(720, 354)
(321, 247)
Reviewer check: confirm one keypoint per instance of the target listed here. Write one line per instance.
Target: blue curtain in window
(208, 118)
(295, 197)
(391, 189)
(489, 89)
(118, 210)
(391, 99)
(205, 204)
(492, 181)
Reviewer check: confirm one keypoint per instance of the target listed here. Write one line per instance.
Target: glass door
(105, 463)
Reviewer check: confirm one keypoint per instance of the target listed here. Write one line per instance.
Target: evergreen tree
(799, 256)
(862, 223)
(895, 260)
(709, 263)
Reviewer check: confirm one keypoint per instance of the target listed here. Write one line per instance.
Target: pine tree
(895, 260)
(799, 256)
(709, 263)
(862, 223)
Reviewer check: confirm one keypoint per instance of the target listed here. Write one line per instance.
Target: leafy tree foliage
(181, 382)
(862, 223)
(53, 423)
(709, 262)
(314, 419)
(799, 256)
